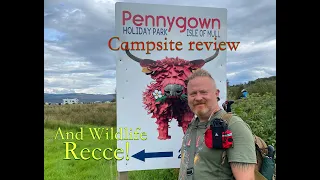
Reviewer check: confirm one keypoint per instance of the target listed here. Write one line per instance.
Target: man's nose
(198, 97)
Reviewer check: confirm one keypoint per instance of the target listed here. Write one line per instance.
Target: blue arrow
(142, 155)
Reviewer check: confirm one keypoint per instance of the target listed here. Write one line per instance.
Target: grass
(92, 114)
(55, 150)
(56, 168)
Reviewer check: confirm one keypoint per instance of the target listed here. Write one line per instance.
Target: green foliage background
(259, 109)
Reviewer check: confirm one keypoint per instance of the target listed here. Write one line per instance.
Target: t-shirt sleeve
(243, 149)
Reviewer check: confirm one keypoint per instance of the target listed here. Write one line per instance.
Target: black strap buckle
(190, 171)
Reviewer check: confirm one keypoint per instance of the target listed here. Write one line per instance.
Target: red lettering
(235, 46)
(152, 18)
(208, 46)
(124, 19)
(194, 26)
(183, 26)
(109, 43)
(164, 21)
(204, 22)
(222, 44)
(213, 20)
(170, 23)
(137, 18)
(159, 45)
(167, 22)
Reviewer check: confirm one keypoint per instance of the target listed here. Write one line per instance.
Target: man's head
(202, 93)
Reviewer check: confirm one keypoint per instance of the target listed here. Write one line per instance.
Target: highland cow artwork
(156, 48)
(166, 98)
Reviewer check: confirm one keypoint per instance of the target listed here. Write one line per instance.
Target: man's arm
(242, 156)
(243, 171)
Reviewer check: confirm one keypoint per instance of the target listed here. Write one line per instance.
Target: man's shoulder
(234, 118)
(237, 122)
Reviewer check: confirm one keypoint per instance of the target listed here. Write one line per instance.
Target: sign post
(166, 43)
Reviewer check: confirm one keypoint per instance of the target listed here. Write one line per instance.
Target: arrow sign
(142, 155)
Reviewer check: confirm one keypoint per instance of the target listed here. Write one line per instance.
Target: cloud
(249, 74)
(77, 57)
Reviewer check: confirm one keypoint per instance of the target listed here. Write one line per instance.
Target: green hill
(260, 86)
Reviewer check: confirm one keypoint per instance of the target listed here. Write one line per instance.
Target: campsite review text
(171, 45)
(99, 134)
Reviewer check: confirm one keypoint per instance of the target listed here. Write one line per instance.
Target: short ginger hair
(199, 73)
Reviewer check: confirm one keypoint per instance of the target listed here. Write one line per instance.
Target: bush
(259, 111)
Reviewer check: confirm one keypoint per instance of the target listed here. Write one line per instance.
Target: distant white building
(70, 101)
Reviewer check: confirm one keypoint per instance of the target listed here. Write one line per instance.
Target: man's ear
(217, 92)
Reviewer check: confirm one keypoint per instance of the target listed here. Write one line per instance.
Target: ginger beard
(200, 108)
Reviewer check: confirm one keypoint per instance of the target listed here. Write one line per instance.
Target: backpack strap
(226, 117)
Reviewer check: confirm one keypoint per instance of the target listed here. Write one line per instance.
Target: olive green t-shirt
(208, 162)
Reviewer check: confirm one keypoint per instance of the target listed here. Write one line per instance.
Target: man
(244, 93)
(198, 162)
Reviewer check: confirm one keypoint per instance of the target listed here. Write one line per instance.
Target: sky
(76, 33)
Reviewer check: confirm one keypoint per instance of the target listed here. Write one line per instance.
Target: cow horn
(133, 57)
(212, 57)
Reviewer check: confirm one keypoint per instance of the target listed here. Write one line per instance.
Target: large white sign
(166, 43)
